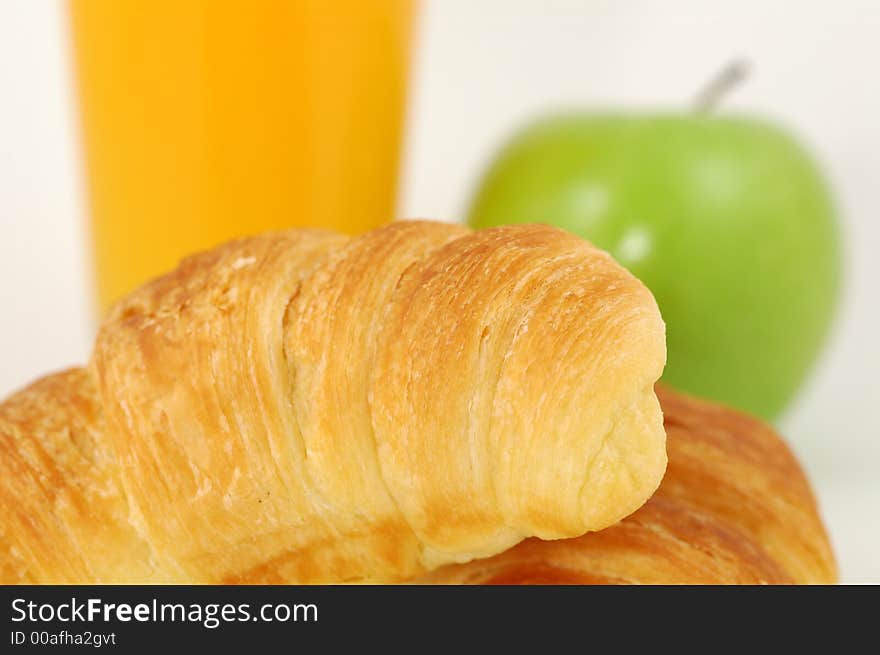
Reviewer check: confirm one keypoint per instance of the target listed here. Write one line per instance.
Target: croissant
(733, 508)
(308, 407)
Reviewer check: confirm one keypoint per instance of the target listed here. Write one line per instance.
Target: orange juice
(205, 120)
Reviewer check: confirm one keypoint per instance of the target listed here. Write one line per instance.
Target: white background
(482, 67)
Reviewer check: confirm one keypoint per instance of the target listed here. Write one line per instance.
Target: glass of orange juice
(204, 120)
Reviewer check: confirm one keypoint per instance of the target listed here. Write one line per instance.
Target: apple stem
(720, 85)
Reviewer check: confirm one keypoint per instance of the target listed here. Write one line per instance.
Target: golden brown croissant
(309, 407)
(733, 508)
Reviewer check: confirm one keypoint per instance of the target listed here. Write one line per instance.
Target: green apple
(727, 219)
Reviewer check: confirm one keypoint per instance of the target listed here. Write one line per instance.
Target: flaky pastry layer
(309, 407)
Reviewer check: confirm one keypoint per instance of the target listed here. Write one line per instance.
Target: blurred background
(478, 71)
